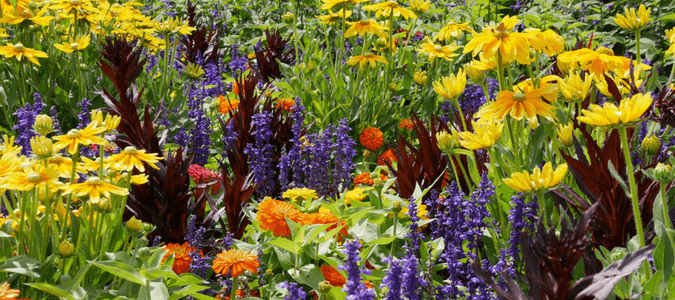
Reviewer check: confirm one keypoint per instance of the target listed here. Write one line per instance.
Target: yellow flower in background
(366, 59)
(75, 137)
(475, 71)
(364, 27)
(94, 187)
(389, 8)
(484, 63)
(300, 194)
(8, 146)
(110, 122)
(19, 51)
(503, 40)
(451, 87)
(79, 5)
(328, 4)
(573, 88)
(131, 158)
(332, 18)
(519, 105)
(173, 26)
(596, 61)
(420, 6)
(565, 133)
(445, 52)
(452, 31)
(357, 194)
(23, 14)
(540, 179)
(632, 20)
(547, 41)
(629, 110)
(670, 35)
(486, 134)
(77, 44)
(28, 178)
(420, 77)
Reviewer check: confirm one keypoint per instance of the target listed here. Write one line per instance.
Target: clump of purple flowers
(521, 216)
(294, 291)
(26, 118)
(195, 237)
(355, 289)
(261, 154)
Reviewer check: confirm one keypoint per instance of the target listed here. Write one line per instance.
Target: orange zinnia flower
(181, 260)
(238, 260)
(235, 88)
(333, 276)
(227, 105)
(324, 216)
(286, 104)
(406, 124)
(272, 215)
(363, 178)
(371, 138)
(388, 155)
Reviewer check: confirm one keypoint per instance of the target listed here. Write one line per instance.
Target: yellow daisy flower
(389, 8)
(30, 177)
(547, 41)
(75, 137)
(629, 110)
(300, 194)
(486, 134)
(539, 180)
(596, 61)
(501, 39)
(573, 88)
(19, 51)
(420, 6)
(94, 187)
(366, 59)
(332, 18)
(446, 52)
(131, 158)
(452, 31)
(632, 20)
(364, 27)
(328, 4)
(519, 105)
(77, 44)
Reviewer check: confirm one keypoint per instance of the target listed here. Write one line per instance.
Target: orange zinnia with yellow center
(238, 260)
(181, 260)
(272, 215)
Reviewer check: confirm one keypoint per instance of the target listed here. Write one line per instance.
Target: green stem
(74, 158)
(235, 286)
(637, 45)
(664, 203)
(461, 114)
(514, 144)
(295, 30)
(500, 72)
(22, 247)
(633, 186)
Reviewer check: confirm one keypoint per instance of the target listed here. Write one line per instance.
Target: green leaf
(120, 270)
(612, 170)
(314, 232)
(286, 244)
(189, 290)
(22, 264)
(382, 241)
(664, 256)
(46, 287)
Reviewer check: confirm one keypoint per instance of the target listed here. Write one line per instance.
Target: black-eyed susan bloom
(368, 59)
(22, 14)
(75, 137)
(19, 51)
(503, 40)
(452, 31)
(389, 8)
(30, 177)
(451, 87)
(629, 110)
(520, 105)
(332, 18)
(94, 187)
(540, 179)
(76, 44)
(434, 51)
(364, 27)
(486, 134)
(131, 158)
(596, 61)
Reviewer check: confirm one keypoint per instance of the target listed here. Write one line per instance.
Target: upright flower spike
(19, 51)
(540, 179)
(388, 8)
(629, 110)
(633, 20)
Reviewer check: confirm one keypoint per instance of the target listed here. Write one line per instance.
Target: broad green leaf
(54, 290)
(382, 241)
(286, 244)
(120, 270)
(22, 264)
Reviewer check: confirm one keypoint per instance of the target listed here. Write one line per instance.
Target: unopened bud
(397, 206)
(651, 145)
(43, 125)
(447, 141)
(324, 287)
(66, 248)
(420, 77)
(288, 18)
(663, 172)
(135, 225)
(565, 134)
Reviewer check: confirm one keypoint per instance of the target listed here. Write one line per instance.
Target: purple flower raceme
(55, 121)
(195, 237)
(393, 279)
(414, 235)
(182, 138)
(260, 154)
(83, 116)
(411, 279)
(200, 135)
(344, 156)
(294, 291)
(152, 62)
(26, 119)
(521, 216)
(291, 165)
(355, 289)
(239, 62)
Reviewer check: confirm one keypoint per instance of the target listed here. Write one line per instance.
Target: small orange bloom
(236, 259)
(181, 260)
(333, 276)
(272, 215)
(286, 104)
(227, 105)
(363, 178)
(406, 124)
(371, 138)
(388, 155)
(324, 216)
(235, 88)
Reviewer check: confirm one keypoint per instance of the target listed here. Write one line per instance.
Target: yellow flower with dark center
(94, 187)
(332, 18)
(328, 4)
(629, 110)
(19, 51)
(501, 39)
(23, 14)
(573, 88)
(80, 43)
(451, 87)
(366, 59)
(390, 8)
(75, 137)
(547, 41)
(419, 6)
(596, 61)
(446, 52)
(486, 134)
(540, 179)
(173, 26)
(452, 31)
(632, 20)
(519, 105)
(30, 177)
(364, 27)
(131, 158)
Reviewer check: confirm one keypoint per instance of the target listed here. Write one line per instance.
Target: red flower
(203, 175)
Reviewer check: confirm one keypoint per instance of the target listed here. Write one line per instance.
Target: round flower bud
(135, 225)
(447, 141)
(105, 205)
(420, 77)
(42, 146)
(65, 279)
(84, 67)
(663, 172)
(651, 144)
(565, 134)
(397, 206)
(392, 87)
(144, 253)
(43, 125)
(288, 18)
(324, 287)
(66, 248)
